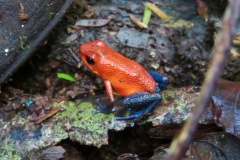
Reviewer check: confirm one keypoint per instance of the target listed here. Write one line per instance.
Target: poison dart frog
(139, 87)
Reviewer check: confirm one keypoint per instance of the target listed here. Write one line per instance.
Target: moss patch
(86, 127)
(8, 152)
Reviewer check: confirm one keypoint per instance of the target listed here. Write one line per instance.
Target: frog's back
(125, 75)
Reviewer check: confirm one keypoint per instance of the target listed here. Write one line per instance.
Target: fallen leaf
(157, 11)
(137, 21)
(202, 9)
(92, 22)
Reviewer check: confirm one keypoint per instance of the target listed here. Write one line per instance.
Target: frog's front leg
(103, 108)
(106, 108)
(139, 104)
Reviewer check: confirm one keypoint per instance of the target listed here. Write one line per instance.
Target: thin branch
(221, 50)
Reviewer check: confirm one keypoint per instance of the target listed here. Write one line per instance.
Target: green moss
(22, 42)
(180, 105)
(88, 128)
(51, 15)
(60, 132)
(8, 152)
(81, 115)
(164, 97)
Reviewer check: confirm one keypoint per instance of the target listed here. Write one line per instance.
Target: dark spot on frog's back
(121, 80)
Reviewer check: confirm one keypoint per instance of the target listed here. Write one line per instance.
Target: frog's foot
(102, 108)
(138, 114)
(159, 78)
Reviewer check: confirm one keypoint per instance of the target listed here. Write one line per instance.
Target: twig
(221, 50)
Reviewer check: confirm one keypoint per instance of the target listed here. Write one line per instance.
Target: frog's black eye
(90, 60)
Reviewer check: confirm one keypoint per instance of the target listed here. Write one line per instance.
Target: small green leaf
(66, 77)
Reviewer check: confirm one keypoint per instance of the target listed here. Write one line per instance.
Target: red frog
(129, 79)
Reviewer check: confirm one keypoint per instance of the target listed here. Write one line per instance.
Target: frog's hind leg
(144, 100)
(159, 78)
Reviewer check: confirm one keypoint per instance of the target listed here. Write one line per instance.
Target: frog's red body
(125, 76)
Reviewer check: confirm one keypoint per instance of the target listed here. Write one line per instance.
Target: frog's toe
(102, 108)
(130, 117)
(95, 112)
(105, 110)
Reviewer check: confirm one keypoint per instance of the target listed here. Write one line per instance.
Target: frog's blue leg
(159, 78)
(138, 101)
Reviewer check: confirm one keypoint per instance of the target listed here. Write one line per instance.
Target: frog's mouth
(93, 69)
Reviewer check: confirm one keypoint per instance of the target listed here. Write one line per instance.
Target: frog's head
(92, 54)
